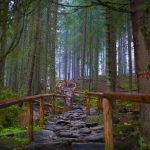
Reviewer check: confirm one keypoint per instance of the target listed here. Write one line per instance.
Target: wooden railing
(105, 100)
(30, 100)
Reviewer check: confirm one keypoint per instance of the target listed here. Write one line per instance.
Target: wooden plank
(108, 129)
(99, 103)
(87, 105)
(41, 112)
(79, 92)
(133, 97)
(17, 100)
(30, 124)
(95, 94)
(60, 95)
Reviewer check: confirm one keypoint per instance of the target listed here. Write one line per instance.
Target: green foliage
(93, 102)
(7, 93)
(142, 143)
(12, 130)
(9, 115)
(13, 143)
(96, 119)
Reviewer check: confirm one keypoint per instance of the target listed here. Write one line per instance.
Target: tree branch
(13, 44)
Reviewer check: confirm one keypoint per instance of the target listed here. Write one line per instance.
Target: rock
(88, 146)
(78, 124)
(94, 138)
(89, 124)
(62, 122)
(44, 133)
(49, 146)
(85, 131)
(68, 134)
(58, 128)
(100, 127)
(43, 136)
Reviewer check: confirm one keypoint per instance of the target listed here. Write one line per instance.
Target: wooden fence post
(87, 105)
(108, 129)
(30, 124)
(53, 104)
(41, 112)
(99, 103)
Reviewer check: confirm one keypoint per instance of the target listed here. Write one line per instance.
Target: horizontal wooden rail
(107, 109)
(18, 100)
(134, 97)
(79, 92)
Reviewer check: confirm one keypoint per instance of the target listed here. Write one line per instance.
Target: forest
(75, 74)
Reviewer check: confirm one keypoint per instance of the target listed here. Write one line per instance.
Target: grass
(16, 130)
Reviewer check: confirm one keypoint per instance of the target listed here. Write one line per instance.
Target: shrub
(8, 115)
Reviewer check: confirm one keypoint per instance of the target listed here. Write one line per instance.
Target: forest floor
(63, 130)
(70, 127)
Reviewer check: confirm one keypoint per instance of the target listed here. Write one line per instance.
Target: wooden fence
(30, 100)
(105, 99)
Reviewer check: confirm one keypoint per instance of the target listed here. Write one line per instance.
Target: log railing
(107, 109)
(30, 100)
(104, 100)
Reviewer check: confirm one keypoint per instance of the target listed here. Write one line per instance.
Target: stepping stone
(95, 138)
(63, 122)
(100, 127)
(88, 124)
(89, 146)
(85, 131)
(68, 134)
(48, 146)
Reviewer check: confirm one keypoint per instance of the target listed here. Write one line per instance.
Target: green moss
(96, 119)
(13, 143)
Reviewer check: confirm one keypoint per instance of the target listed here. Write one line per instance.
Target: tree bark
(142, 55)
(53, 47)
(83, 50)
(36, 40)
(111, 53)
(3, 40)
(129, 54)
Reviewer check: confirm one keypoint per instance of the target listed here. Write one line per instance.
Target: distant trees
(103, 41)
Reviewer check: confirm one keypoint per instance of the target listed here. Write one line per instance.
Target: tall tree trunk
(91, 53)
(141, 38)
(129, 54)
(96, 66)
(53, 47)
(111, 53)
(83, 50)
(46, 46)
(66, 58)
(36, 40)
(3, 40)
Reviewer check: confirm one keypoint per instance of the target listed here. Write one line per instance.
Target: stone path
(65, 130)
